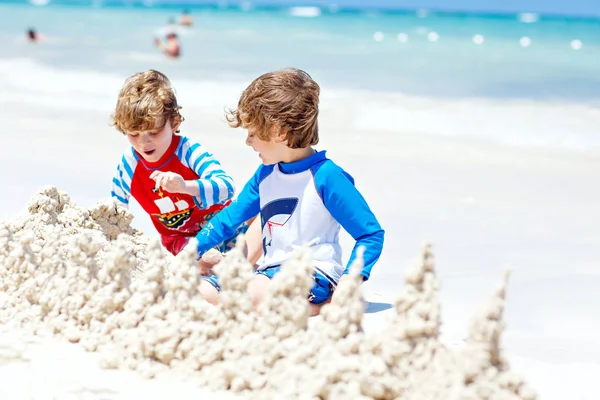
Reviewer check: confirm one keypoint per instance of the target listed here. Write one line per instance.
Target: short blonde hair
(287, 99)
(146, 101)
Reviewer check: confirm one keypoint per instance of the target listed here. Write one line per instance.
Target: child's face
(153, 144)
(271, 151)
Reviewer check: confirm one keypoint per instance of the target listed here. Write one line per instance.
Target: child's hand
(205, 268)
(170, 181)
(209, 260)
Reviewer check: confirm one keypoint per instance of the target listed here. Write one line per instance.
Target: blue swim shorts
(321, 291)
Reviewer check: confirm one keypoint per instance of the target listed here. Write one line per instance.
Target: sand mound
(87, 276)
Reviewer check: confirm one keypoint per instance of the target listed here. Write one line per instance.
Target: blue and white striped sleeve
(345, 203)
(216, 186)
(121, 183)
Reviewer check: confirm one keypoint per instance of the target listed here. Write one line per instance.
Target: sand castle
(85, 275)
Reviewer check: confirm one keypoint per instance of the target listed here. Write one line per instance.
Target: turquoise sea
(415, 52)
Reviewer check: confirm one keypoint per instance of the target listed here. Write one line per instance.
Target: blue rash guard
(303, 202)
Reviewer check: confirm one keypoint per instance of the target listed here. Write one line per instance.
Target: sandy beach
(485, 205)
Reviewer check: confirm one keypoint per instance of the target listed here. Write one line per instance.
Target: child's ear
(175, 126)
(281, 135)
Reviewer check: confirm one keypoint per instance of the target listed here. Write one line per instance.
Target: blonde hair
(145, 101)
(286, 99)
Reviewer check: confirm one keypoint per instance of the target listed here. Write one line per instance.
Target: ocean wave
(550, 124)
(528, 18)
(309, 12)
(25, 79)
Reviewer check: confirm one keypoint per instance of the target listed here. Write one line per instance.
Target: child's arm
(214, 185)
(224, 224)
(159, 44)
(349, 208)
(120, 189)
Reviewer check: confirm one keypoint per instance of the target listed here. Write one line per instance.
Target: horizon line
(239, 5)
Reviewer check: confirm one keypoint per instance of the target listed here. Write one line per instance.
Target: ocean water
(435, 54)
(92, 46)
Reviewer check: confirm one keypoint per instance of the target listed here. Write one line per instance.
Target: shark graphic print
(274, 215)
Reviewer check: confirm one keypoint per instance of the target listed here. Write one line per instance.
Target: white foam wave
(309, 12)
(27, 81)
(27, 73)
(514, 122)
(528, 18)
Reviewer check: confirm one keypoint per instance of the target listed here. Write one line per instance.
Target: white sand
(485, 206)
(85, 276)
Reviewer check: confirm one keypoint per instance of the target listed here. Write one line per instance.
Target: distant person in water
(186, 19)
(171, 47)
(33, 36)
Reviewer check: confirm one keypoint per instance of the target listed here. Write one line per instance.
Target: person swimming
(33, 36)
(186, 19)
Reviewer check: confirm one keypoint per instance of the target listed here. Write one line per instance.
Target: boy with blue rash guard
(302, 196)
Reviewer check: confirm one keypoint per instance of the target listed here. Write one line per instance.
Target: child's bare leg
(315, 309)
(254, 247)
(208, 286)
(257, 288)
(209, 292)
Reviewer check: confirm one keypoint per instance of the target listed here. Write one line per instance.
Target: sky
(569, 7)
